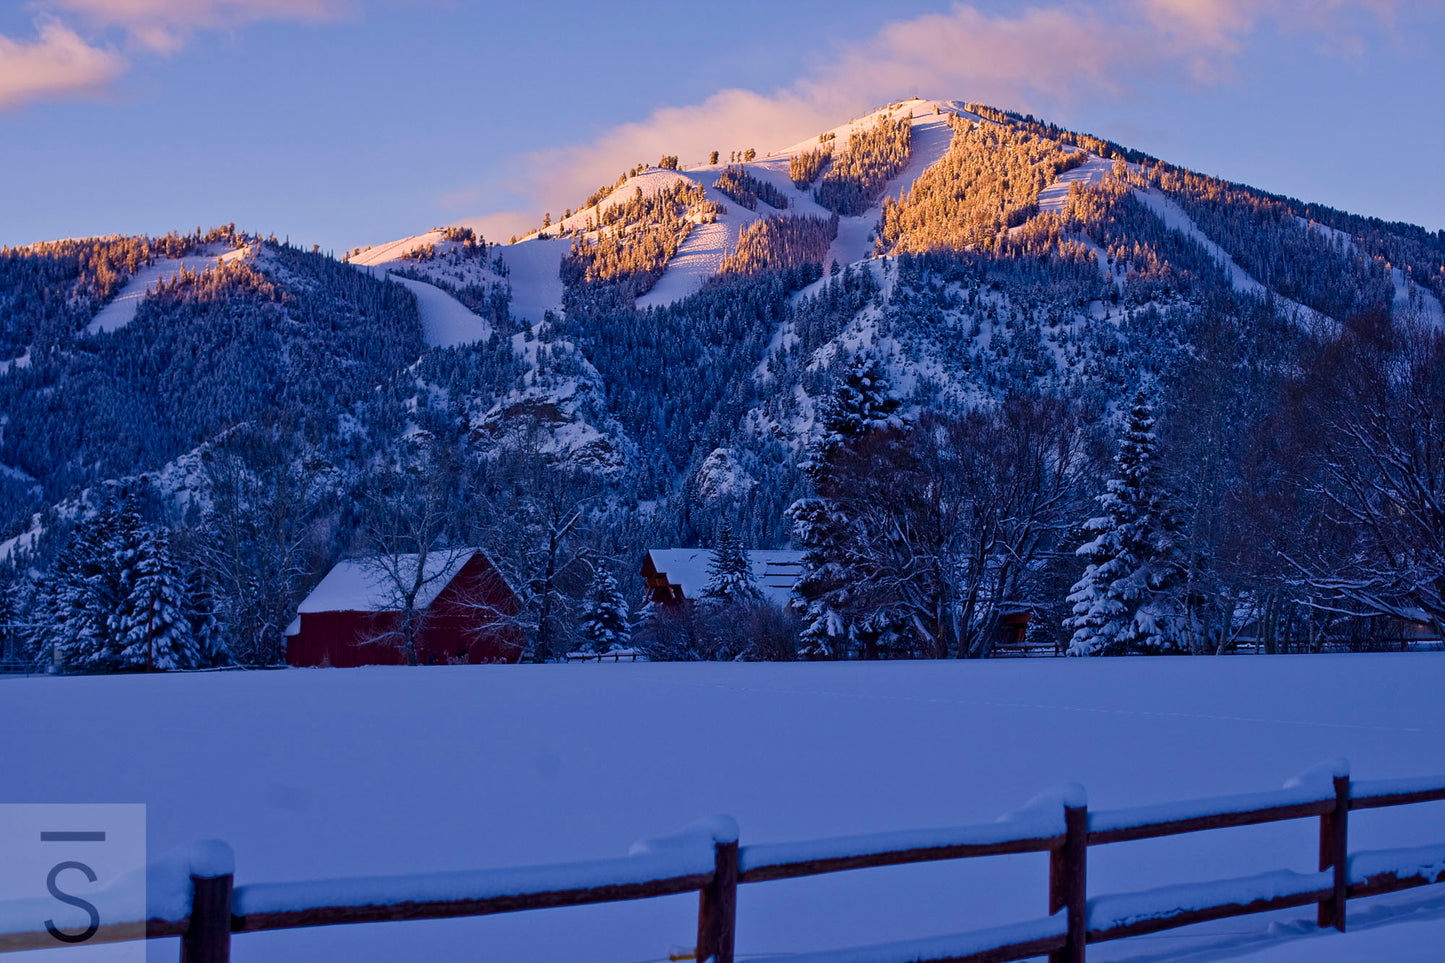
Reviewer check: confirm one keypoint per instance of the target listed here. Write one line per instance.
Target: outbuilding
(674, 575)
(465, 612)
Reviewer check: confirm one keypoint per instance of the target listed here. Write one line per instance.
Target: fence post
(717, 910)
(1335, 854)
(208, 937)
(1068, 882)
(208, 934)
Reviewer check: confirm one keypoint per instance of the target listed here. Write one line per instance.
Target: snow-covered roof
(364, 585)
(774, 571)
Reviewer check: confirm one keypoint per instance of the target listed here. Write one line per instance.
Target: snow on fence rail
(191, 894)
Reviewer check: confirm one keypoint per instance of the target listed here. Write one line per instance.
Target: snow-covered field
(314, 773)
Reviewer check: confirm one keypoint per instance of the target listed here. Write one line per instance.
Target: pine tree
(151, 629)
(605, 623)
(201, 605)
(729, 573)
(860, 403)
(1128, 599)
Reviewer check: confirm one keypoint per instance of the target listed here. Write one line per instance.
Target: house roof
(363, 585)
(774, 571)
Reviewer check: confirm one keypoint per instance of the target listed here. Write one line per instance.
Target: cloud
(163, 25)
(58, 64)
(61, 64)
(498, 227)
(1039, 59)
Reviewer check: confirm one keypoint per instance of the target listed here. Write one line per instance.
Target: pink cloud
(163, 25)
(57, 64)
(1035, 58)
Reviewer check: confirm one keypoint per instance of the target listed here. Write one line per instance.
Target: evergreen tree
(1129, 598)
(729, 573)
(151, 628)
(861, 402)
(201, 605)
(605, 623)
(822, 526)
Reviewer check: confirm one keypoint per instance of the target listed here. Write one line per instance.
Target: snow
(1194, 808)
(699, 257)
(12, 363)
(691, 859)
(938, 947)
(1040, 823)
(364, 585)
(535, 275)
(1386, 787)
(23, 542)
(446, 322)
(1427, 862)
(330, 773)
(701, 254)
(121, 310)
(1175, 218)
(774, 572)
(1091, 173)
(395, 251)
(1393, 937)
(931, 139)
(1411, 298)
(1109, 912)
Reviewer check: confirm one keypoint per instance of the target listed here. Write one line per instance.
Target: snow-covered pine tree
(1129, 598)
(862, 402)
(151, 628)
(605, 623)
(87, 588)
(201, 605)
(729, 573)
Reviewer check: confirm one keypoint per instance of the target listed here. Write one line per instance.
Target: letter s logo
(73, 901)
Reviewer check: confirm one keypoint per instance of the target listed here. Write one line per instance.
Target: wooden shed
(674, 575)
(465, 608)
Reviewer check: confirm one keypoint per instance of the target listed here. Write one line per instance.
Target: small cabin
(675, 575)
(465, 608)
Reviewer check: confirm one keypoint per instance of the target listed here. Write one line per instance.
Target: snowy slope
(445, 321)
(931, 137)
(122, 308)
(701, 255)
(535, 274)
(1411, 298)
(532, 268)
(1176, 219)
(394, 770)
(1090, 174)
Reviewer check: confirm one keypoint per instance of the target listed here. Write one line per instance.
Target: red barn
(353, 617)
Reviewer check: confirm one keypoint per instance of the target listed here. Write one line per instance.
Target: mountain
(679, 352)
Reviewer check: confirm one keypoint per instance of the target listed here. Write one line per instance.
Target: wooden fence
(710, 862)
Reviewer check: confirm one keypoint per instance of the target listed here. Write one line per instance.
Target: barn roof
(363, 585)
(774, 571)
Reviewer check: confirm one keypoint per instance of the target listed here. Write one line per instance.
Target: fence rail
(708, 860)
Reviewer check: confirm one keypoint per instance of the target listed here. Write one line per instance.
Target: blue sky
(351, 122)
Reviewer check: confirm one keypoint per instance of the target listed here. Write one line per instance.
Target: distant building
(675, 574)
(352, 617)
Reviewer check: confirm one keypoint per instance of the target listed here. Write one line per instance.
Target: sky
(352, 122)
